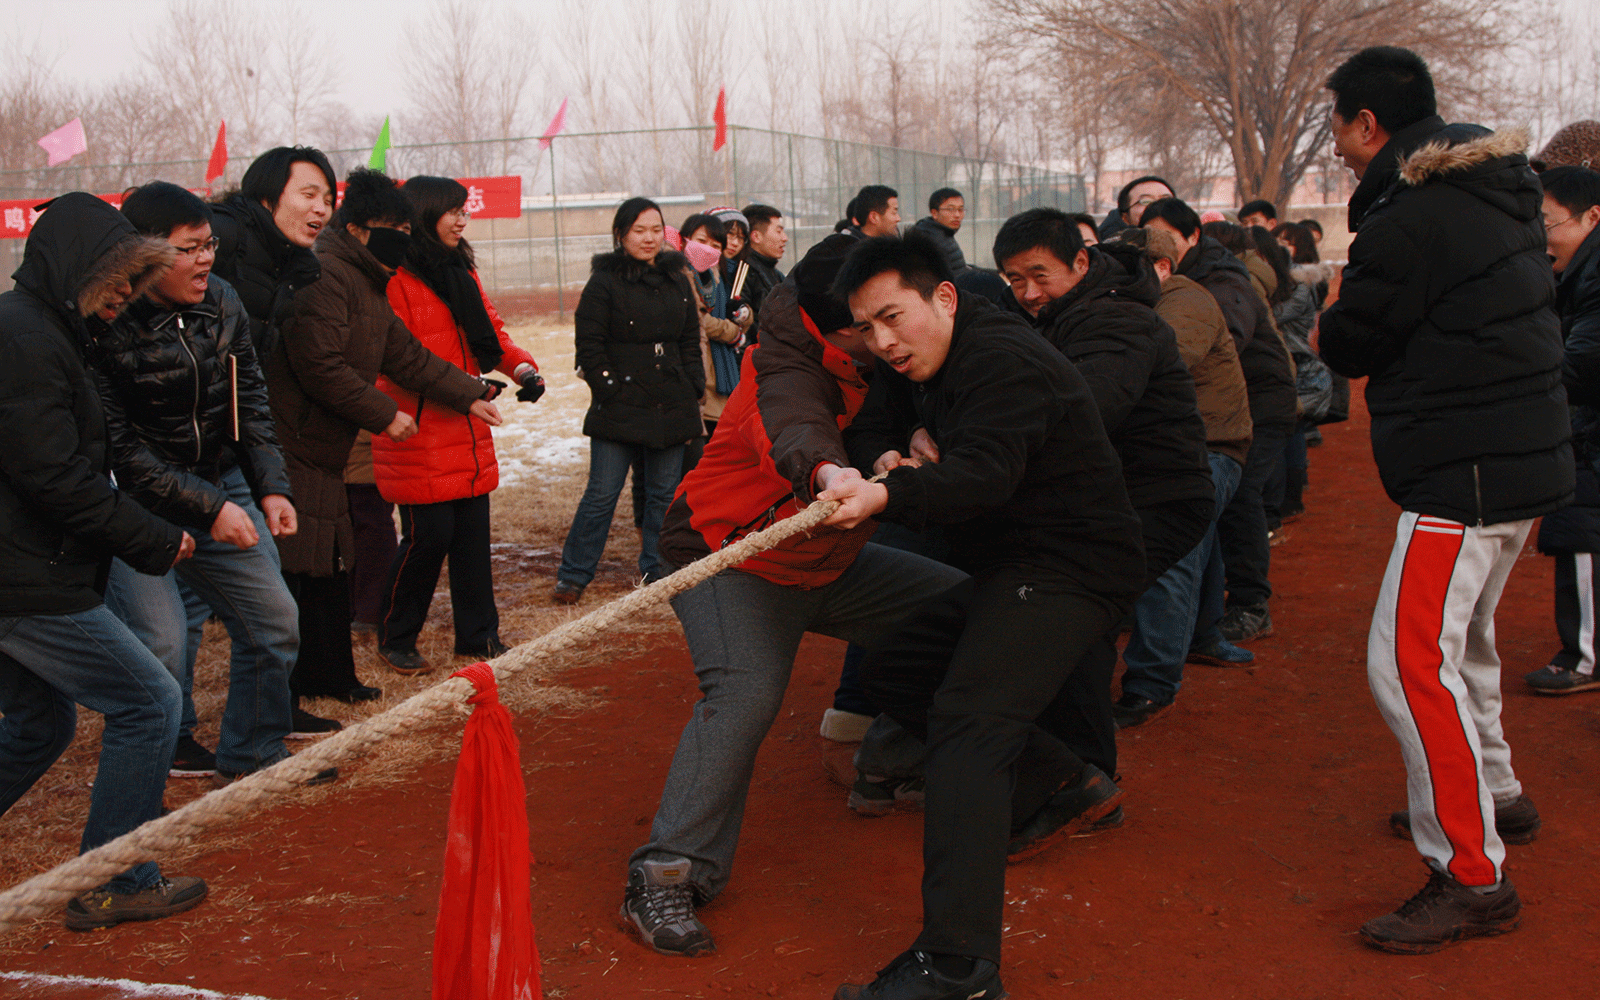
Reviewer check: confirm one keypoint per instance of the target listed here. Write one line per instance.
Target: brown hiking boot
(1517, 822)
(104, 908)
(1445, 911)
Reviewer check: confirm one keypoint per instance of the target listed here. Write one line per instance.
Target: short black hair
(157, 208)
(1305, 248)
(710, 223)
(1260, 206)
(1127, 189)
(1312, 224)
(371, 196)
(1085, 219)
(1174, 212)
(268, 175)
(872, 198)
(760, 216)
(1050, 228)
(941, 196)
(914, 257)
(1392, 83)
(1576, 189)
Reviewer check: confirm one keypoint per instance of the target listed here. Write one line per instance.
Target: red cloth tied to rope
(483, 947)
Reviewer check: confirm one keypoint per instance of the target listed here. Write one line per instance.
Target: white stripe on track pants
(1434, 671)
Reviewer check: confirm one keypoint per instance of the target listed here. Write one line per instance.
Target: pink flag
(219, 156)
(557, 125)
(720, 116)
(65, 142)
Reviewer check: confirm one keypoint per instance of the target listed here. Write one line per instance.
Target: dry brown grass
(531, 514)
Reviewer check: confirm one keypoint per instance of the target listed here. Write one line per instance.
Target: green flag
(380, 150)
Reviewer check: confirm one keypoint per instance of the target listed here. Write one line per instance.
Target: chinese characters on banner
(487, 198)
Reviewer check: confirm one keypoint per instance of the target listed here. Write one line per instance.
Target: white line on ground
(128, 988)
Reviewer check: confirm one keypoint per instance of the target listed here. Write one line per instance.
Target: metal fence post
(555, 221)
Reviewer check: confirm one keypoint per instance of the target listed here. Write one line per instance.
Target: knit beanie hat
(726, 215)
(1575, 145)
(814, 275)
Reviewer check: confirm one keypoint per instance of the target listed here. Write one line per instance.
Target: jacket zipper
(1477, 492)
(194, 415)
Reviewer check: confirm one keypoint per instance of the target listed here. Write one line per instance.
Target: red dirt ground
(1256, 839)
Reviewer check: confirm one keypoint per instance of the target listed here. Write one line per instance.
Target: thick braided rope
(46, 893)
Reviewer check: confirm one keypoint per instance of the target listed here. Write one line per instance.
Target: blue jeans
(50, 662)
(1165, 617)
(591, 524)
(246, 590)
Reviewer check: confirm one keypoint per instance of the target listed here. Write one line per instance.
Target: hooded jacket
(1206, 347)
(261, 265)
(1446, 307)
(796, 393)
(169, 379)
(945, 239)
(61, 520)
(1262, 356)
(321, 380)
(638, 346)
(1108, 327)
(1026, 477)
(451, 456)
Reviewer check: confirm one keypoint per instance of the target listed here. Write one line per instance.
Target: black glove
(532, 388)
(493, 388)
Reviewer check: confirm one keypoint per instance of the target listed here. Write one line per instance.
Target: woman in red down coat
(441, 477)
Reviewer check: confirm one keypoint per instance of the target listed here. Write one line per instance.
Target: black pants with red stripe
(428, 533)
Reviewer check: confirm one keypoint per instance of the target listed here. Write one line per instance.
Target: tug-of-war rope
(45, 894)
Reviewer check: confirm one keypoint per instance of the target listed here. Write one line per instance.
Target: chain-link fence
(538, 261)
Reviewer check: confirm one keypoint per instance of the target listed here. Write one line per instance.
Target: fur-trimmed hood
(1492, 166)
(667, 262)
(82, 249)
(1439, 156)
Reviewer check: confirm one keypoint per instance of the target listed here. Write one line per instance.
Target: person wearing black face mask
(442, 477)
(321, 382)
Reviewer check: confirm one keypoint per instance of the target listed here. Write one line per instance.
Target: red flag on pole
(720, 116)
(483, 946)
(219, 156)
(557, 125)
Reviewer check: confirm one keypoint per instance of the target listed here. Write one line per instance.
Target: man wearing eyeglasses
(193, 440)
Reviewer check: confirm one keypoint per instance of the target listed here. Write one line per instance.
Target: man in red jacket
(777, 446)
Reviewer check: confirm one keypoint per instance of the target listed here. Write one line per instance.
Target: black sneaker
(1244, 622)
(305, 726)
(1560, 680)
(1072, 808)
(659, 906)
(913, 977)
(1517, 822)
(104, 908)
(405, 661)
(493, 648)
(223, 779)
(1131, 710)
(1444, 912)
(875, 796)
(359, 693)
(191, 760)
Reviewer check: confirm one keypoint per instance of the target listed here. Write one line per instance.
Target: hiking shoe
(1131, 710)
(1112, 820)
(1560, 680)
(1074, 807)
(405, 661)
(875, 796)
(1445, 911)
(1244, 622)
(104, 908)
(913, 977)
(305, 726)
(223, 779)
(1517, 822)
(1223, 654)
(659, 905)
(566, 593)
(191, 760)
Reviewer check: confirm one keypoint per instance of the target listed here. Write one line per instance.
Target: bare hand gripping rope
(45, 894)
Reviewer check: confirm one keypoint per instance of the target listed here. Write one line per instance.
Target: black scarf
(448, 274)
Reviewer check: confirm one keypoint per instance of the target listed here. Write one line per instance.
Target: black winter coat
(1025, 477)
(1446, 306)
(1262, 355)
(61, 520)
(261, 265)
(638, 347)
(945, 240)
(764, 276)
(1576, 527)
(165, 377)
(1108, 327)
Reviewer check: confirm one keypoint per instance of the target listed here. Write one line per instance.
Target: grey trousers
(743, 633)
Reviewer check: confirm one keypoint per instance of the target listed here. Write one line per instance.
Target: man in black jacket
(1445, 307)
(1572, 534)
(946, 210)
(61, 520)
(1032, 491)
(769, 238)
(192, 439)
